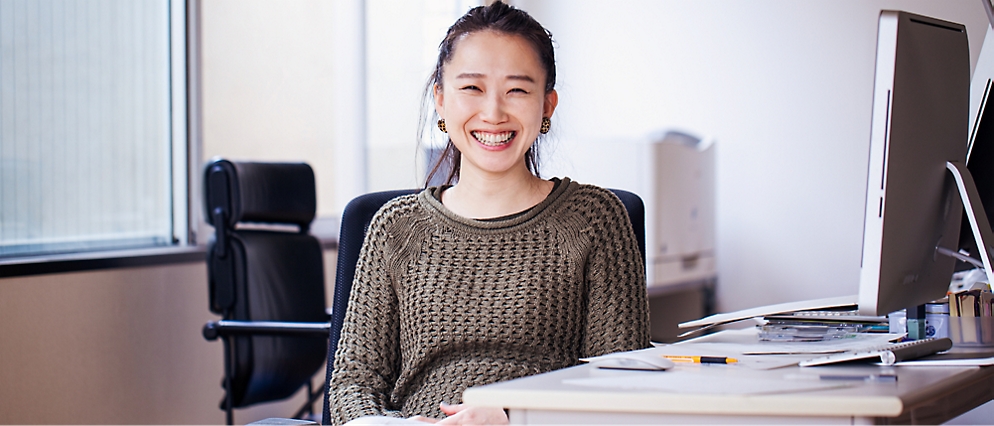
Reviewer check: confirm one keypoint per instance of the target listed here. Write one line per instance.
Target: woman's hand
(465, 415)
(423, 419)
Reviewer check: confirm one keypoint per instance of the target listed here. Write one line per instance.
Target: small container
(937, 320)
(898, 322)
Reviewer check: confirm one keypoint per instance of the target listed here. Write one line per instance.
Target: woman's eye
(470, 87)
(518, 90)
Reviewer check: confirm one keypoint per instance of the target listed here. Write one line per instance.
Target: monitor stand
(981, 233)
(975, 214)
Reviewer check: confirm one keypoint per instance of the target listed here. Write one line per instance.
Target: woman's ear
(551, 100)
(437, 91)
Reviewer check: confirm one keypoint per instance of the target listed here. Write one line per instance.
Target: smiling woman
(499, 273)
(493, 104)
(531, 42)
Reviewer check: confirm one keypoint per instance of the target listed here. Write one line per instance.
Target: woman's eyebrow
(510, 77)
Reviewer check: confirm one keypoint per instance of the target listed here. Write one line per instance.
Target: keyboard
(887, 354)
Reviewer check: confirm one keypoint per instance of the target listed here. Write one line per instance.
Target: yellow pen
(701, 359)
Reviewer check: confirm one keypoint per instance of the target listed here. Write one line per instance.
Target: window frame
(190, 231)
(184, 134)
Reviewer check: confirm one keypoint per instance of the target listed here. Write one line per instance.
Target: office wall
(785, 88)
(402, 38)
(268, 85)
(117, 346)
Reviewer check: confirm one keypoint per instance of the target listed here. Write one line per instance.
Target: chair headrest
(260, 192)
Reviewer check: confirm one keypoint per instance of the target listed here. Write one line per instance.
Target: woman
(502, 274)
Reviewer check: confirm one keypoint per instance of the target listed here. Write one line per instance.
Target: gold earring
(546, 123)
(441, 125)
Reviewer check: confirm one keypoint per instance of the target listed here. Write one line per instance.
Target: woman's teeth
(493, 139)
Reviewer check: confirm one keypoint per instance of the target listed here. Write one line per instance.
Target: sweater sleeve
(617, 305)
(367, 362)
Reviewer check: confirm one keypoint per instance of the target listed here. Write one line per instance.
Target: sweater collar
(426, 198)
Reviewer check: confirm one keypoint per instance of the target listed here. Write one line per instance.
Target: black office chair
(636, 214)
(355, 222)
(266, 279)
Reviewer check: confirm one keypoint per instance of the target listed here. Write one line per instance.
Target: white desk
(714, 394)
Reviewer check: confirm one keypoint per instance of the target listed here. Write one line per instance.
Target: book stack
(813, 326)
(971, 322)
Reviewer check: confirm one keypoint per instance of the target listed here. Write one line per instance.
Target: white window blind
(85, 126)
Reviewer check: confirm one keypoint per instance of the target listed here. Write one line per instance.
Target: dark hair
(502, 18)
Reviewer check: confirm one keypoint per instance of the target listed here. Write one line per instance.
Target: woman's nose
(493, 111)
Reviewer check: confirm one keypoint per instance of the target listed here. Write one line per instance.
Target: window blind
(85, 144)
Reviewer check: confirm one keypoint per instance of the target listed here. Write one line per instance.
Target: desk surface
(691, 393)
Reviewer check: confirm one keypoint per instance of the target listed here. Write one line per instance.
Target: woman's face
(493, 98)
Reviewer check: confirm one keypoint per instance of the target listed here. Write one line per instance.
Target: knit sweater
(441, 303)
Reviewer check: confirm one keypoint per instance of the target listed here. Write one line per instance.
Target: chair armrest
(215, 329)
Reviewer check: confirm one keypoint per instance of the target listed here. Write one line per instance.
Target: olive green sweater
(441, 303)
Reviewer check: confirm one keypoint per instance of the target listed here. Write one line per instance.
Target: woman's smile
(494, 140)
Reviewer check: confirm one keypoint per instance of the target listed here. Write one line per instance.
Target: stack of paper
(763, 311)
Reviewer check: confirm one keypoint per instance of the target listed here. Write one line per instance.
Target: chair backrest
(355, 222)
(264, 266)
(636, 215)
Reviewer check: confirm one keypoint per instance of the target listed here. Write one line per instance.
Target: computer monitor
(989, 8)
(980, 156)
(920, 120)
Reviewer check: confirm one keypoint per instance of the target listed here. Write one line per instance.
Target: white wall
(785, 88)
(268, 86)
(402, 38)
